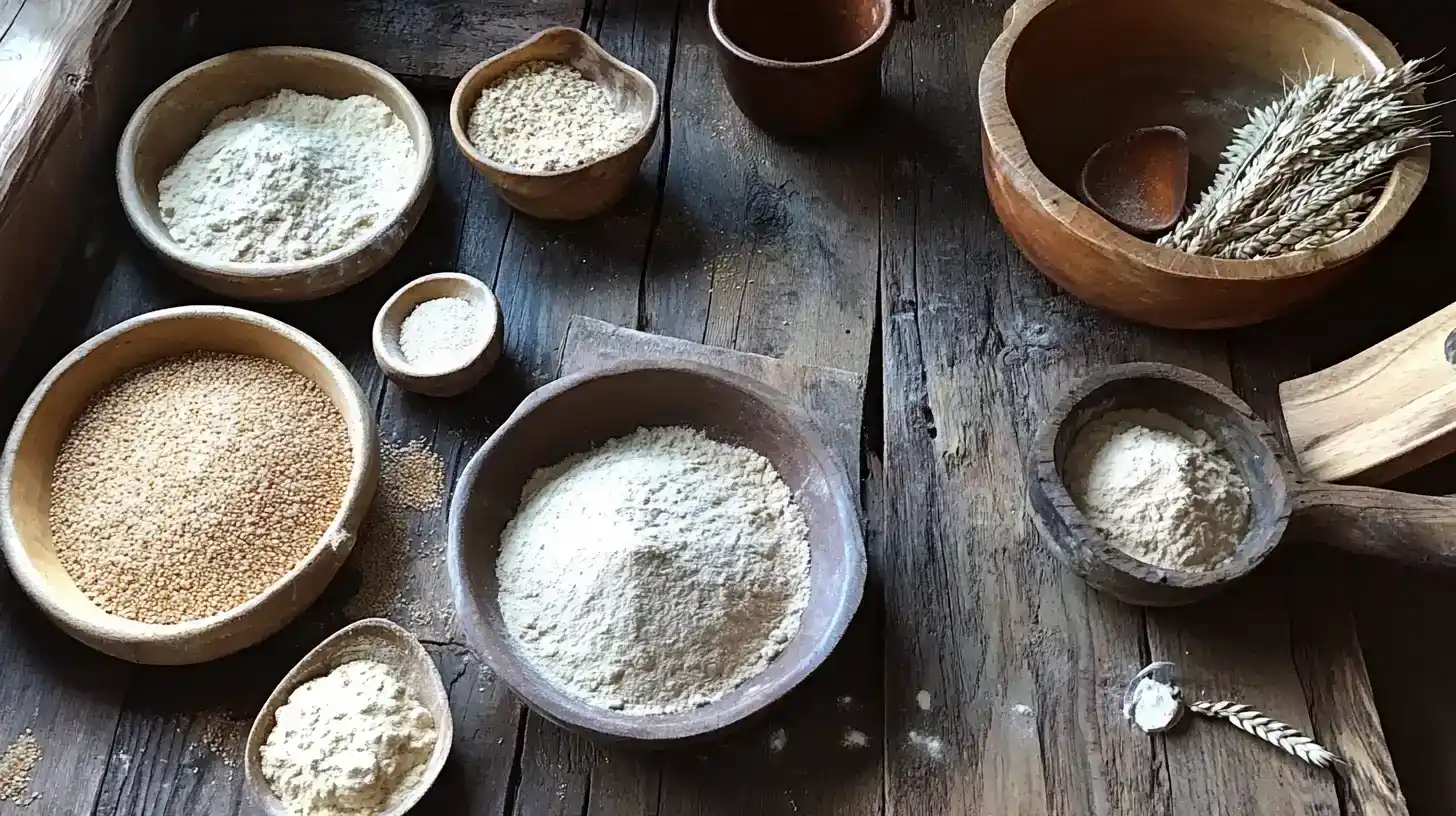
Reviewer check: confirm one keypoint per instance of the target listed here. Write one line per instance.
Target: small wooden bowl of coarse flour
(654, 550)
(1159, 486)
(577, 155)
(277, 173)
(439, 335)
(371, 710)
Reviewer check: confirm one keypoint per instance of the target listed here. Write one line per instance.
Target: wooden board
(983, 677)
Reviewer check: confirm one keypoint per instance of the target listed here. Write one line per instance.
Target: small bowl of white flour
(654, 551)
(439, 335)
(1157, 484)
(277, 173)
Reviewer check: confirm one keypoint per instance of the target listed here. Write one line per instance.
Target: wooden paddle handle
(1382, 413)
(1405, 527)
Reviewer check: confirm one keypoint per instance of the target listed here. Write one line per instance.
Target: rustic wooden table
(984, 677)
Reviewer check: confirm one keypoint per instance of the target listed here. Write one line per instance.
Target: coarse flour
(289, 177)
(656, 573)
(1159, 490)
(346, 743)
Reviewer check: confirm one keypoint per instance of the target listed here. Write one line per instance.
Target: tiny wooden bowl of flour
(35, 444)
(439, 335)
(684, 408)
(578, 190)
(379, 641)
(345, 232)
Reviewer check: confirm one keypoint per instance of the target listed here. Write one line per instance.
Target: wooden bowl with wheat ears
(1066, 76)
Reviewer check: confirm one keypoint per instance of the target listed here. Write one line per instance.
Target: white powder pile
(437, 335)
(287, 178)
(347, 743)
(1158, 490)
(656, 573)
(546, 116)
(1155, 706)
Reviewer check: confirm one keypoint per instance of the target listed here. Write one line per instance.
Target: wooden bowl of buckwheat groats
(278, 173)
(557, 125)
(439, 335)
(185, 483)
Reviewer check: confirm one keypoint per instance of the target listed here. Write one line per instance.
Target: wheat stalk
(1295, 177)
(1282, 735)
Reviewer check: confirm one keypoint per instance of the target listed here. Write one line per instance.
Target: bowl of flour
(278, 173)
(1157, 485)
(654, 551)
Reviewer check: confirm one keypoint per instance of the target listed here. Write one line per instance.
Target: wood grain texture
(1381, 413)
(429, 41)
(73, 68)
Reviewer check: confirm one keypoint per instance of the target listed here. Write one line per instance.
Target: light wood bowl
(579, 192)
(172, 119)
(476, 364)
(1066, 76)
(45, 420)
(579, 412)
(372, 639)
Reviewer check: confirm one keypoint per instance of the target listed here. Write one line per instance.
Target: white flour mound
(347, 743)
(656, 573)
(1159, 490)
(287, 178)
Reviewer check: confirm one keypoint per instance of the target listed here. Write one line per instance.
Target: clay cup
(801, 69)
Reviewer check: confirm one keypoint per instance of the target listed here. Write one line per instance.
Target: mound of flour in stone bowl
(656, 573)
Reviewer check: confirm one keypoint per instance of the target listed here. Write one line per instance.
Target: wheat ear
(1270, 730)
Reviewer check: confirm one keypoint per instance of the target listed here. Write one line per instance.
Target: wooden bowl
(371, 639)
(45, 420)
(1200, 403)
(174, 116)
(1066, 76)
(579, 412)
(579, 192)
(476, 364)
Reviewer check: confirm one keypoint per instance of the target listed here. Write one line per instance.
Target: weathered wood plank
(73, 69)
(430, 41)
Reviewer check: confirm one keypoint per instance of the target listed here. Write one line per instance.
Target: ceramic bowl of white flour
(277, 174)
(654, 551)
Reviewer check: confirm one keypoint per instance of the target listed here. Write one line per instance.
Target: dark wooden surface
(875, 253)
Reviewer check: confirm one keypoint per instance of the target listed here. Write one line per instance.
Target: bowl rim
(107, 627)
(477, 350)
(647, 728)
(155, 232)
(744, 54)
(1003, 138)
(459, 114)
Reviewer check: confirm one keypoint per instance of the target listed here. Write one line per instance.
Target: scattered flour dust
(931, 745)
(855, 739)
(546, 116)
(348, 742)
(411, 485)
(1159, 490)
(16, 766)
(289, 177)
(777, 741)
(655, 573)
